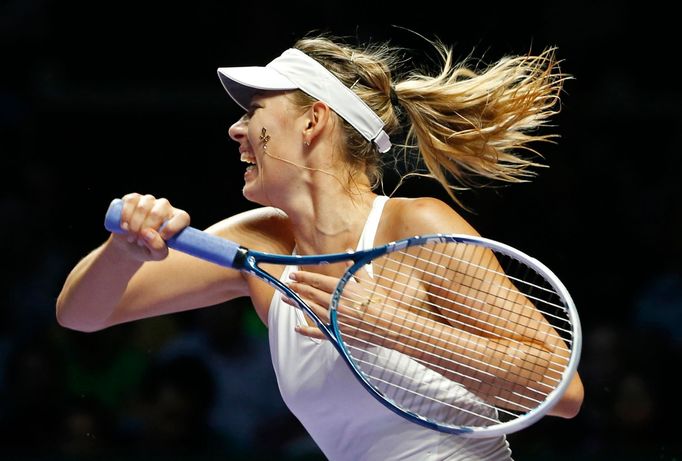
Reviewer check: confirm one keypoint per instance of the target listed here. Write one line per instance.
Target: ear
(317, 119)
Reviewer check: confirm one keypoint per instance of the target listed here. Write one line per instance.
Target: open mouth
(250, 160)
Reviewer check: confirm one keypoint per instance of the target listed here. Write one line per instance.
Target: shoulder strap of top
(372, 224)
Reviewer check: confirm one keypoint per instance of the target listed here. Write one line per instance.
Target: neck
(328, 219)
(326, 202)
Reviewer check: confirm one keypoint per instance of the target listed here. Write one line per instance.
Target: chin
(255, 196)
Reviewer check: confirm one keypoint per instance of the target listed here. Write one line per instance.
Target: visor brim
(241, 83)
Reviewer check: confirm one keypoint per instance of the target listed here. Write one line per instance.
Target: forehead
(277, 104)
(267, 96)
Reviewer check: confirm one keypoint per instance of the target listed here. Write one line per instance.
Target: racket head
(489, 292)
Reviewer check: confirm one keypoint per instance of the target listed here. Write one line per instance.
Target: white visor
(296, 70)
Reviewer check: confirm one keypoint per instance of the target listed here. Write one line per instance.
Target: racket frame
(502, 428)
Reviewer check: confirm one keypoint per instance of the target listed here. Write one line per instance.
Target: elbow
(74, 325)
(568, 408)
(570, 404)
(71, 321)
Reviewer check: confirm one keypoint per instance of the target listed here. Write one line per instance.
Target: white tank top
(345, 421)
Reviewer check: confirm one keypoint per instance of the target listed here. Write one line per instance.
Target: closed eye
(252, 109)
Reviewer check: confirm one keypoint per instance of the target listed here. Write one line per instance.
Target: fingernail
(287, 300)
(292, 276)
(124, 225)
(148, 235)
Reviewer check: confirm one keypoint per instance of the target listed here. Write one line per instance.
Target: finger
(156, 245)
(310, 293)
(321, 282)
(129, 204)
(161, 210)
(177, 222)
(311, 332)
(140, 212)
(319, 310)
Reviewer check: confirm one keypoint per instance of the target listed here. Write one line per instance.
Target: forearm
(497, 369)
(95, 287)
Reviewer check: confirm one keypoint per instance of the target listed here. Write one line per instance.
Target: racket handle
(189, 240)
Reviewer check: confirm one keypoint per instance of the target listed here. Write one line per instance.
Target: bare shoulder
(263, 229)
(406, 217)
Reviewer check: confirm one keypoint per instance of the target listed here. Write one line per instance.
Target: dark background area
(97, 100)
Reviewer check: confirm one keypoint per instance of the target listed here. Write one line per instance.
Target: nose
(238, 129)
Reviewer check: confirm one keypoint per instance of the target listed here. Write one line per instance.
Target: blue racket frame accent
(230, 254)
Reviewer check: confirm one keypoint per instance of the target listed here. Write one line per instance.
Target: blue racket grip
(189, 240)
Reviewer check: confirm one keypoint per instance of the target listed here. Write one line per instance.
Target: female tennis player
(316, 133)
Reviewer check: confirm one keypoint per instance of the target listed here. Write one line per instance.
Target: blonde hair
(470, 126)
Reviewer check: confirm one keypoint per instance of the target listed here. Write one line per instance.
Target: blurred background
(100, 99)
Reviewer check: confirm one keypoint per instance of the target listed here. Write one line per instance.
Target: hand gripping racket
(457, 333)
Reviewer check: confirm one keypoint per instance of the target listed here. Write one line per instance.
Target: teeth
(248, 159)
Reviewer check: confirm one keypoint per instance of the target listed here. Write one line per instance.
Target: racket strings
(415, 382)
(492, 288)
(463, 323)
(392, 280)
(469, 307)
(418, 300)
(517, 294)
(447, 370)
(410, 383)
(451, 404)
(467, 352)
(497, 273)
(419, 381)
(379, 317)
(418, 399)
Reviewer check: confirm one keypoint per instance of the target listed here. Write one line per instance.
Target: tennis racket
(458, 333)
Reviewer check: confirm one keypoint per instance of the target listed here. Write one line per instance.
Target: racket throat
(240, 258)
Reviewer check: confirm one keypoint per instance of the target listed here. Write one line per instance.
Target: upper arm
(460, 283)
(428, 216)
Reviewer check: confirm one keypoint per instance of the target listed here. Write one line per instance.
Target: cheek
(262, 132)
(275, 127)
(254, 132)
